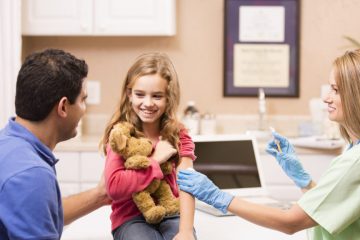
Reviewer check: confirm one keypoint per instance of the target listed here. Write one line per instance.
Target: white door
(57, 17)
(135, 17)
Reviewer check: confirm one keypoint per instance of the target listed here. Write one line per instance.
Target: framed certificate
(261, 47)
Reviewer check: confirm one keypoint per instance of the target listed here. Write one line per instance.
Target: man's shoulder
(19, 157)
(29, 176)
(9, 142)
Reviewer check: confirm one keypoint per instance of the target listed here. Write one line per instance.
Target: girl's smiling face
(148, 98)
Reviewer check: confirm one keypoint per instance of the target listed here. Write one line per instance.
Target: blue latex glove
(203, 189)
(288, 160)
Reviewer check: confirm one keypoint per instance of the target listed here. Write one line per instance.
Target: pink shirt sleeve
(187, 146)
(121, 183)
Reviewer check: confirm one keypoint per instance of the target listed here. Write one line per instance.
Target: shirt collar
(352, 144)
(17, 130)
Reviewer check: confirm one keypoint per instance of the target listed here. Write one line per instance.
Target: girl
(330, 208)
(150, 97)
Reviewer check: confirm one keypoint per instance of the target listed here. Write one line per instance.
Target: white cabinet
(78, 171)
(134, 17)
(68, 167)
(99, 17)
(57, 17)
(280, 185)
(92, 166)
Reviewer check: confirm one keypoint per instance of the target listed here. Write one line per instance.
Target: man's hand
(102, 191)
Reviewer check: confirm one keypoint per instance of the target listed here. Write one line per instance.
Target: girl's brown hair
(149, 64)
(347, 77)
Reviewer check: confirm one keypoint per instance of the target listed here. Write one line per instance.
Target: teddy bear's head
(123, 141)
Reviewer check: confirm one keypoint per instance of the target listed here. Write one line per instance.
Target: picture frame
(261, 48)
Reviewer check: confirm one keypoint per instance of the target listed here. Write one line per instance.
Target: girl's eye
(139, 94)
(158, 96)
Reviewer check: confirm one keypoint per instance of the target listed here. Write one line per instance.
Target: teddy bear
(156, 200)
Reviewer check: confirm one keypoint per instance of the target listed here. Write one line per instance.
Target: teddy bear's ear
(122, 142)
(117, 140)
(130, 127)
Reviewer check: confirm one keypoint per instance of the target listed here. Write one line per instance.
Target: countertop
(91, 143)
(82, 144)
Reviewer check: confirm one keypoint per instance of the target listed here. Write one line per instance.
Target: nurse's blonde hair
(347, 77)
(149, 64)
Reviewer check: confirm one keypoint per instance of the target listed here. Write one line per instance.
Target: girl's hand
(184, 235)
(163, 151)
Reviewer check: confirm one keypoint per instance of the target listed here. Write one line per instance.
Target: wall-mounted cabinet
(98, 17)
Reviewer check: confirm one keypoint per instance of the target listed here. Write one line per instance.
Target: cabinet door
(279, 185)
(57, 17)
(92, 166)
(135, 17)
(68, 172)
(315, 165)
(68, 167)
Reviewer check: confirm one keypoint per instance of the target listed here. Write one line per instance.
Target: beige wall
(197, 52)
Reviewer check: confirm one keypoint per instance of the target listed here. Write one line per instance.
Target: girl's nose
(148, 101)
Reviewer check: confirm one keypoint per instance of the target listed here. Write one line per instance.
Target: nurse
(330, 209)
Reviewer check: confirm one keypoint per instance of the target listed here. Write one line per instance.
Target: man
(49, 102)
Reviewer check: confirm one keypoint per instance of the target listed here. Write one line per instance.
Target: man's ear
(62, 107)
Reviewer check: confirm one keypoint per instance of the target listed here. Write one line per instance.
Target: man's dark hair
(44, 78)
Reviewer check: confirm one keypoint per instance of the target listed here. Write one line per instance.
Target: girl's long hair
(149, 64)
(347, 77)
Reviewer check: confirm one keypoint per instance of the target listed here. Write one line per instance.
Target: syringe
(275, 140)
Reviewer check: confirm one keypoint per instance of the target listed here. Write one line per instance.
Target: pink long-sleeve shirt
(121, 183)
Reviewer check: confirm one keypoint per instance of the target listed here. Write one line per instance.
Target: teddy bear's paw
(155, 214)
(137, 162)
(172, 207)
(166, 168)
(153, 186)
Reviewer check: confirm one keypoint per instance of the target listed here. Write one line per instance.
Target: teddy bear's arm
(137, 162)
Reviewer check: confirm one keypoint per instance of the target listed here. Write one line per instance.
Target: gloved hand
(288, 160)
(203, 189)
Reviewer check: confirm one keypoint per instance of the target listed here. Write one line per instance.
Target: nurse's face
(333, 101)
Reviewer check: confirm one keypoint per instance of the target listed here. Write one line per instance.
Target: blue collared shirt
(30, 199)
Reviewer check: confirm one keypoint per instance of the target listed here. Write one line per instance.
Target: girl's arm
(187, 201)
(187, 207)
(121, 182)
